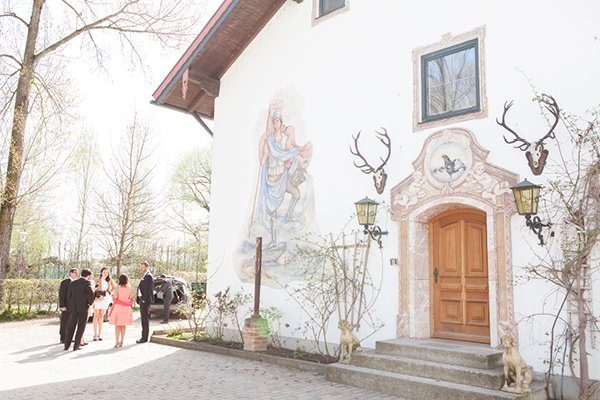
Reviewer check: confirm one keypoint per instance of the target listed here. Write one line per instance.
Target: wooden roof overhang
(233, 26)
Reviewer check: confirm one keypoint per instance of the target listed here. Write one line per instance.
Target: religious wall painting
(282, 204)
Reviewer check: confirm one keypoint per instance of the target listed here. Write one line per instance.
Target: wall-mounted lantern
(527, 196)
(366, 211)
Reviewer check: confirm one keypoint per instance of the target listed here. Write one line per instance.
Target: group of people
(81, 295)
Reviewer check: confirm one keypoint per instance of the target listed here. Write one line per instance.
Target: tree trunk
(584, 373)
(118, 262)
(15, 156)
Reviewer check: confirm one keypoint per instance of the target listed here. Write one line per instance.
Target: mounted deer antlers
(379, 175)
(535, 152)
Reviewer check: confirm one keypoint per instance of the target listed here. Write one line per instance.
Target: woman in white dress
(104, 288)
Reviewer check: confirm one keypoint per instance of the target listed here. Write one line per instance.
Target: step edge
(490, 352)
(436, 364)
(433, 382)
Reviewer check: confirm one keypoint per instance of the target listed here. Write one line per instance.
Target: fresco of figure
(282, 170)
(282, 203)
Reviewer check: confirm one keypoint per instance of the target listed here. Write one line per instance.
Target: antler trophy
(379, 175)
(535, 152)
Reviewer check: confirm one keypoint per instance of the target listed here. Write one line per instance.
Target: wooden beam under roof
(209, 85)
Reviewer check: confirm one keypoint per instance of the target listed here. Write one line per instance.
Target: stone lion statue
(517, 375)
(348, 341)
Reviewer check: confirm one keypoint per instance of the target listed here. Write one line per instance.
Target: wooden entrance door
(459, 276)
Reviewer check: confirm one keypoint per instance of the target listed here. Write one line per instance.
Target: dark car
(182, 294)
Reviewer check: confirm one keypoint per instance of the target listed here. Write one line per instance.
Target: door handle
(436, 274)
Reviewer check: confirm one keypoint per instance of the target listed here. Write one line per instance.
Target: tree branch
(83, 29)
(13, 58)
(15, 16)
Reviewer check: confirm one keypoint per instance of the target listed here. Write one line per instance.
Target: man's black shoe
(141, 341)
(76, 348)
(66, 348)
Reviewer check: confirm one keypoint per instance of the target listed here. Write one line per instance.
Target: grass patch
(177, 335)
(13, 314)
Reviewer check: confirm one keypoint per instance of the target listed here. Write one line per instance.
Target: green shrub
(15, 314)
(27, 297)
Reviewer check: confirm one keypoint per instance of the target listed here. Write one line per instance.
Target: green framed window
(329, 6)
(450, 82)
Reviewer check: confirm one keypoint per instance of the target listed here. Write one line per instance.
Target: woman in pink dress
(121, 314)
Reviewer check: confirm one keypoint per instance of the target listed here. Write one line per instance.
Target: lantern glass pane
(517, 194)
(361, 213)
(535, 194)
(524, 201)
(372, 213)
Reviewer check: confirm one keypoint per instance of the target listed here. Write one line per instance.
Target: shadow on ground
(192, 374)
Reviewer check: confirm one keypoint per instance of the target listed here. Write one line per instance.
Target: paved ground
(33, 365)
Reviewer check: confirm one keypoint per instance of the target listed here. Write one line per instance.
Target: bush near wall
(29, 298)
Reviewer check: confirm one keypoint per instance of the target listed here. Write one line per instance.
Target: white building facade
(435, 76)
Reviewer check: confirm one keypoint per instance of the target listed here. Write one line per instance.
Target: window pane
(452, 82)
(328, 6)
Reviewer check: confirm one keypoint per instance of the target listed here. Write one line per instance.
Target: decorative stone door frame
(452, 172)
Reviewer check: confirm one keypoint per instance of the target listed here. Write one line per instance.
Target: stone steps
(429, 369)
(484, 378)
(443, 351)
(412, 387)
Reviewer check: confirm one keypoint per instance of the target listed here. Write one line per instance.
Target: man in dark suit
(144, 299)
(81, 297)
(166, 288)
(63, 302)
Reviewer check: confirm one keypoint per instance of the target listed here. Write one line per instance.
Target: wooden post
(257, 274)
(255, 330)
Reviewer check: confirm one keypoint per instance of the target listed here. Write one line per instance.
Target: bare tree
(28, 60)
(85, 162)
(573, 200)
(128, 207)
(193, 177)
(189, 199)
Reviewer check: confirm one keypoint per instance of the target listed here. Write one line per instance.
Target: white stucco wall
(355, 72)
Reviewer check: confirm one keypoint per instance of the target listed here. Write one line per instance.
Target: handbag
(100, 293)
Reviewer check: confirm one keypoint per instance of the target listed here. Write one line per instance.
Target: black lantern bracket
(375, 233)
(536, 226)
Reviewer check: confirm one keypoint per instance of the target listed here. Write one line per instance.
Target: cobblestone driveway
(34, 366)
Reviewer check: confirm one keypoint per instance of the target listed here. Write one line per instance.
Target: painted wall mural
(282, 210)
(451, 160)
(448, 159)
(448, 162)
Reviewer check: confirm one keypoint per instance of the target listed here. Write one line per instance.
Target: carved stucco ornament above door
(451, 172)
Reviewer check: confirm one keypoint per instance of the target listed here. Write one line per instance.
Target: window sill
(451, 114)
(450, 119)
(317, 19)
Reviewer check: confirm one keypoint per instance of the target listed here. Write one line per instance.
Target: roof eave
(192, 51)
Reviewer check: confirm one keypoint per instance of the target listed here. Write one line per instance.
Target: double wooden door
(459, 276)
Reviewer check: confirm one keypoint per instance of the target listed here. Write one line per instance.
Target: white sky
(107, 100)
